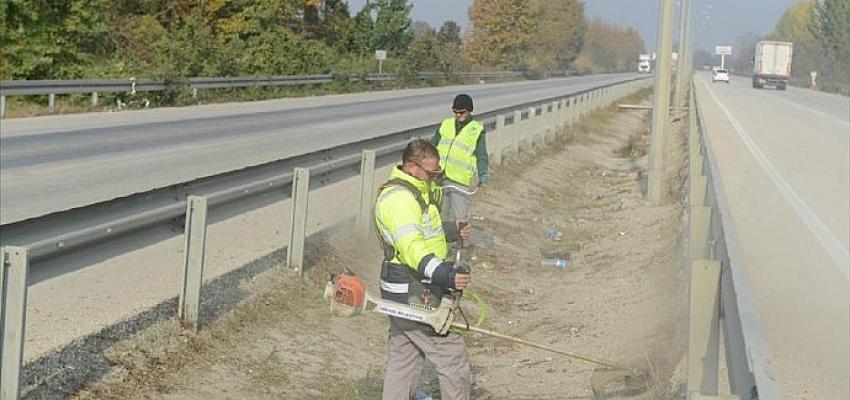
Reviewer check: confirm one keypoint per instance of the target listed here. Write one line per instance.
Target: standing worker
(463, 150)
(415, 271)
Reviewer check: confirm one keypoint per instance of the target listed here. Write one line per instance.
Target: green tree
(830, 27)
(423, 53)
(501, 32)
(795, 22)
(450, 54)
(392, 25)
(364, 38)
(330, 22)
(449, 33)
(435, 51)
(609, 48)
(559, 34)
(50, 39)
(421, 28)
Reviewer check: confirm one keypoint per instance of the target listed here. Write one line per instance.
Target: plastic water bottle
(421, 394)
(557, 262)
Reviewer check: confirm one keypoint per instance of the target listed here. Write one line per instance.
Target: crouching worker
(415, 271)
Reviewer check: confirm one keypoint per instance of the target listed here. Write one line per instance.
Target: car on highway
(720, 75)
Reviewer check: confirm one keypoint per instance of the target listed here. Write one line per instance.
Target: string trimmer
(348, 297)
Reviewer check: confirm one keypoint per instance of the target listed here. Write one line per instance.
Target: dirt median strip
(622, 296)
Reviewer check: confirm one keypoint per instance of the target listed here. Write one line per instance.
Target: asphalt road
(54, 163)
(784, 159)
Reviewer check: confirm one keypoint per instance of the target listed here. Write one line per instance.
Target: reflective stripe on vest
(457, 152)
(398, 288)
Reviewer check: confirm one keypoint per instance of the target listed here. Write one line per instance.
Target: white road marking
(816, 112)
(839, 254)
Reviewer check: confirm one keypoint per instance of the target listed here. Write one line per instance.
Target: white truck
(772, 64)
(644, 66)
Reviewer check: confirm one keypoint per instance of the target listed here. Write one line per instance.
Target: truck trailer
(644, 65)
(772, 64)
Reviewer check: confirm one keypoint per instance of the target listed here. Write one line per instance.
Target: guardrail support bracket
(697, 190)
(194, 254)
(298, 228)
(703, 327)
(367, 180)
(496, 139)
(14, 265)
(700, 225)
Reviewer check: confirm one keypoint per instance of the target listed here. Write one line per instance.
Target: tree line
(176, 39)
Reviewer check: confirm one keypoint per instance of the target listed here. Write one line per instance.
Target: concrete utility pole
(683, 71)
(660, 102)
(689, 51)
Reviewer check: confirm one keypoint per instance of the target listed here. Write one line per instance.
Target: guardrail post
(51, 102)
(298, 228)
(703, 327)
(495, 141)
(194, 254)
(563, 113)
(14, 265)
(551, 122)
(695, 154)
(697, 190)
(2, 106)
(700, 224)
(516, 134)
(579, 104)
(530, 131)
(94, 99)
(695, 150)
(367, 193)
(561, 117)
(585, 104)
(542, 124)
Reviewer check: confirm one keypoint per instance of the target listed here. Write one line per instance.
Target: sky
(719, 21)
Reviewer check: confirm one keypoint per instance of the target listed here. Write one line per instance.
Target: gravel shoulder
(622, 297)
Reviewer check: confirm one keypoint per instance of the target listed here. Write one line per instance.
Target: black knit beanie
(462, 102)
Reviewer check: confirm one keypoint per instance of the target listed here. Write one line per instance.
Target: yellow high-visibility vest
(457, 152)
(412, 227)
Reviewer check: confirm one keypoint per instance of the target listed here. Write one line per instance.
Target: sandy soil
(622, 297)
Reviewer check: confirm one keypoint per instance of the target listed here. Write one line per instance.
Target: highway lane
(55, 163)
(784, 159)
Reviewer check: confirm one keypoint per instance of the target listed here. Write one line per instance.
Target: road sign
(723, 50)
(380, 55)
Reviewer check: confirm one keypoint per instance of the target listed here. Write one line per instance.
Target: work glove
(484, 178)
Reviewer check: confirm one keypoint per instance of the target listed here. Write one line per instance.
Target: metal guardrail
(133, 85)
(24, 88)
(245, 81)
(27, 244)
(720, 289)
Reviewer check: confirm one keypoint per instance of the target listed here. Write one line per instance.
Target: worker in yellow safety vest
(462, 146)
(415, 271)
